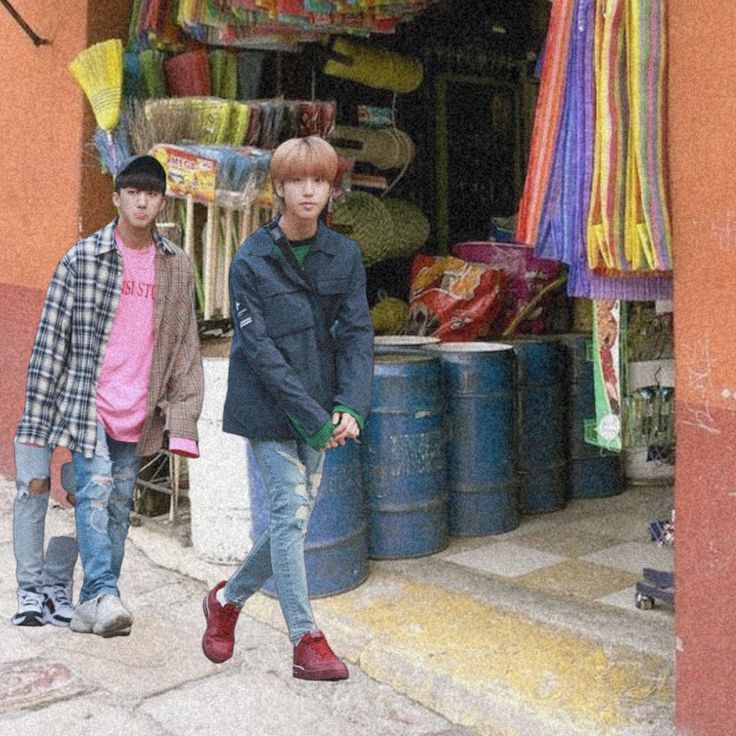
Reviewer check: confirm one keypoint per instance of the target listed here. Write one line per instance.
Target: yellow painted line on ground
(485, 647)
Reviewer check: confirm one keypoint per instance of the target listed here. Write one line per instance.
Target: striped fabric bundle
(546, 121)
(578, 170)
(577, 202)
(606, 213)
(648, 237)
(628, 220)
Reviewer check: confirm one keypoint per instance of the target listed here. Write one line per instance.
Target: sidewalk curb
(490, 667)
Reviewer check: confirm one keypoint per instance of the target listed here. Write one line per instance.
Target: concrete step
(497, 658)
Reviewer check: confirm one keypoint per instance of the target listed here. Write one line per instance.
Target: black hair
(143, 180)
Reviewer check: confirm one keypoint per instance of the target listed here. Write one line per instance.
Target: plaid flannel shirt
(60, 404)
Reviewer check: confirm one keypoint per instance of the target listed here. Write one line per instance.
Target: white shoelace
(29, 599)
(60, 596)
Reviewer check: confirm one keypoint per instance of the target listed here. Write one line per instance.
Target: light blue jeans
(292, 473)
(105, 486)
(32, 483)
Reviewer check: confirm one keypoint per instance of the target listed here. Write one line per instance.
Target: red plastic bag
(452, 299)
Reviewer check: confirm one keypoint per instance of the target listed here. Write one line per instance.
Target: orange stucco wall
(51, 188)
(703, 161)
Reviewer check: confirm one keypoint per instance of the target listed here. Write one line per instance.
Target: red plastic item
(453, 299)
(188, 74)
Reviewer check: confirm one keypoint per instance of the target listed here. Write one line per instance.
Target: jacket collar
(105, 240)
(323, 241)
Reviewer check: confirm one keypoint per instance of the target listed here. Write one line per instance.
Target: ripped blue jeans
(292, 473)
(105, 485)
(32, 481)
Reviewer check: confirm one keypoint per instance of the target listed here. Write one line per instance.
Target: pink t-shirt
(122, 389)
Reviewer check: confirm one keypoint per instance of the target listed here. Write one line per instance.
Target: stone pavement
(157, 682)
(530, 633)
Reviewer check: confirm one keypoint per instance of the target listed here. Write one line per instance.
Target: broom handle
(229, 234)
(189, 228)
(529, 308)
(133, 26)
(210, 260)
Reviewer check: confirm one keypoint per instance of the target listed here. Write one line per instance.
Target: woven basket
(411, 227)
(365, 219)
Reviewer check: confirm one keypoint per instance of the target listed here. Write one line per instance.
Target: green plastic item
(152, 69)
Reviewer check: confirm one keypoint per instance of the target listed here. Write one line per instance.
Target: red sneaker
(314, 660)
(219, 637)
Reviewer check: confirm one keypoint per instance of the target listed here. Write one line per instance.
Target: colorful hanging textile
(566, 240)
(270, 23)
(648, 236)
(606, 213)
(559, 192)
(546, 122)
(628, 221)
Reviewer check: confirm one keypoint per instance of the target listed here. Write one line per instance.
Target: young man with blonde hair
(299, 383)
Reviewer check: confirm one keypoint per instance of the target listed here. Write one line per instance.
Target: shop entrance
(436, 157)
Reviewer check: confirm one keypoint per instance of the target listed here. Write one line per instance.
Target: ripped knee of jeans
(97, 491)
(34, 487)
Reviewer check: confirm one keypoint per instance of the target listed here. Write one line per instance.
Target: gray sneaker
(30, 609)
(105, 616)
(85, 615)
(57, 605)
(113, 618)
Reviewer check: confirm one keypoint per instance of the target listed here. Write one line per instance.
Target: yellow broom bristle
(99, 72)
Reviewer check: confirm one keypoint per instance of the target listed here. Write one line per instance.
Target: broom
(99, 72)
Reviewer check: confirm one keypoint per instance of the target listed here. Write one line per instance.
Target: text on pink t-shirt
(122, 388)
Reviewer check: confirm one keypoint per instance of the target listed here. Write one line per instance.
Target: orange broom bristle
(99, 72)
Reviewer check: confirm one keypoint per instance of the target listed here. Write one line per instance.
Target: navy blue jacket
(297, 351)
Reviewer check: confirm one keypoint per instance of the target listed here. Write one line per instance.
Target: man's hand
(346, 428)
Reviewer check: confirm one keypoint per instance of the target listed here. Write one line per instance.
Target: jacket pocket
(331, 294)
(286, 311)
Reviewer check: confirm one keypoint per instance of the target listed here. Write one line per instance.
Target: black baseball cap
(143, 164)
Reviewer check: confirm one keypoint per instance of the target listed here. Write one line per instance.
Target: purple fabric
(563, 225)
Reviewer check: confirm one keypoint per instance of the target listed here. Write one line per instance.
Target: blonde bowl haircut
(300, 157)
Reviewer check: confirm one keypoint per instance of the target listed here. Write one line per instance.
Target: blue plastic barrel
(597, 476)
(336, 545)
(403, 458)
(541, 427)
(593, 471)
(480, 420)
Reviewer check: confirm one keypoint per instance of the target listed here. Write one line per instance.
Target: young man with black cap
(115, 374)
